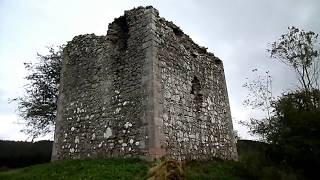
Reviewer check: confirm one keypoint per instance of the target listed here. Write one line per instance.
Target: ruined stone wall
(101, 109)
(196, 114)
(143, 90)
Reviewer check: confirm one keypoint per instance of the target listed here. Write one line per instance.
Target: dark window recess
(196, 91)
(196, 87)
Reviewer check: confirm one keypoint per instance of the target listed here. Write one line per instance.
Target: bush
(20, 154)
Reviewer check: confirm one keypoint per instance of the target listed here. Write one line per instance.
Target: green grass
(252, 164)
(81, 169)
(116, 169)
(222, 170)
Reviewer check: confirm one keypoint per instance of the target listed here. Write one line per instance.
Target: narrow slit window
(196, 87)
(196, 91)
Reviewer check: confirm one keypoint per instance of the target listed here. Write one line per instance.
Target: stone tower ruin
(143, 90)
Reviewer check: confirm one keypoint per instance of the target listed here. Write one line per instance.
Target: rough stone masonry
(143, 90)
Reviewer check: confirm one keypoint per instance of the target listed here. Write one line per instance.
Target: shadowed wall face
(196, 114)
(143, 90)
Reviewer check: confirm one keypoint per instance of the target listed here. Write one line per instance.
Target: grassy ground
(221, 170)
(252, 164)
(115, 169)
(81, 169)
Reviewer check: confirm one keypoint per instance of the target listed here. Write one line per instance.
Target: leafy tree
(300, 51)
(38, 107)
(293, 127)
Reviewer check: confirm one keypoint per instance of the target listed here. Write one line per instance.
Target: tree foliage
(296, 130)
(292, 127)
(38, 106)
(299, 50)
(16, 154)
(294, 112)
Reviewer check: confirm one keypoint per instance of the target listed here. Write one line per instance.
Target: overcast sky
(236, 31)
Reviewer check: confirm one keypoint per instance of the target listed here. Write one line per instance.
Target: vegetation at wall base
(116, 169)
(82, 169)
(253, 164)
